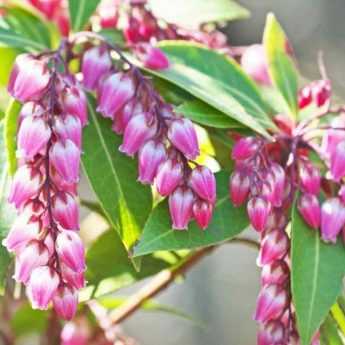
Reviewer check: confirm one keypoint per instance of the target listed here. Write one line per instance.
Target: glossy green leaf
(329, 334)
(10, 133)
(227, 222)
(193, 13)
(113, 177)
(222, 84)
(22, 29)
(281, 66)
(107, 259)
(206, 115)
(80, 12)
(317, 272)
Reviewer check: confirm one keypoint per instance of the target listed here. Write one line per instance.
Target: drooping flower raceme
(166, 143)
(49, 252)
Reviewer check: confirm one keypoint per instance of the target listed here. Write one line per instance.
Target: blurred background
(221, 291)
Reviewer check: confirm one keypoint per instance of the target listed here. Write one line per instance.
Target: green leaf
(113, 177)
(108, 259)
(10, 134)
(227, 222)
(113, 36)
(193, 13)
(80, 12)
(281, 67)
(221, 83)
(317, 272)
(329, 333)
(22, 29)
(206, 115)
(8, 56)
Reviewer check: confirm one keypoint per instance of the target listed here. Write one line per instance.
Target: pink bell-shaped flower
(29, 78)
(183, 136)
(310, 178)
(96, 64)
(338, 161)
(65, 302)
(65, 157)
(74, 334)
(113, 93)
(151, 155)
(74, 279)
(69, 128)
(138, 131)
(152, 57)
(33, 136)
(42, 287)
(203, 183)
(239, 187)
(332, 219)
(181, 207)
(202, 212)
(75, 103)
(258, 211)
(274, 246)
(244, 148)
(70, 249)
(309, 207)
(276, 273)
(271, 303)
(271, 333)
(66, 211)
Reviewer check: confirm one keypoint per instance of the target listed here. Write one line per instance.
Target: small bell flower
(310, 178)
(169, 176)
(72, 278)
(202, 212)
(271, 333)
(203, 183)
(66, 211)
(338, 162)
(181, 207)
(69, 128)
(332, 219)
(244, 148)
(276, 273)
(42, 286)
(182, 135)
(309, 207)
(258, 211)
(75, 103)
(65, 302)
(239, 187)
(152, 57)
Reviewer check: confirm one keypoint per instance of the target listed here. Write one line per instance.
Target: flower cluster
(166, 143)
(49, 252)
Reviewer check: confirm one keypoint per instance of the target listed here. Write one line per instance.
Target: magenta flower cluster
(166, 143)
(44, 238)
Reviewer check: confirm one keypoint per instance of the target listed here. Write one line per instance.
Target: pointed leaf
(80, 12)
(227, 222)
(221, 83)
(281, 67)
(113, 177)
(317, 272)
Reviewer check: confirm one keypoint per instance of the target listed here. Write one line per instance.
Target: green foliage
(80, 12)
(8, 56)
(317, 272)
(108, 259)
(227, 222)
(222, 84)
(112, 176)
(329, 334)
(281, 67)
(193, 13)
(20, 28)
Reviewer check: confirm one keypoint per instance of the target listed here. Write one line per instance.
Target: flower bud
(152, 57)
(75, 103)
(25, 185)
(69, 128)
(65, 302)
(42, 287)
(65, 157)
(151, 155)
(321, 91)
(182, 135)
(332, 137)
(244, 148)
(254, 63)
(122, 117)
(76, 280)
(309, 207)
(74, 334)
(203, 183)
(113, 93)
(33, 136)
(31, 109)
(305, 97)
(181, 207)
(169, 176)
(271, 303)
(310, 178)
(96, 64)
(66, 211)
(29, 78)
(338, 162)
(278, 184)
(276, 273)
(70, 249)
(202, 212)
(137, 132)
(332, 219)
(239, 187)
(35, 254)
(258, 211)
(271, 333)
(274, 246)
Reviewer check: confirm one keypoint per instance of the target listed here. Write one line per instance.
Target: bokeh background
(221, 291)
